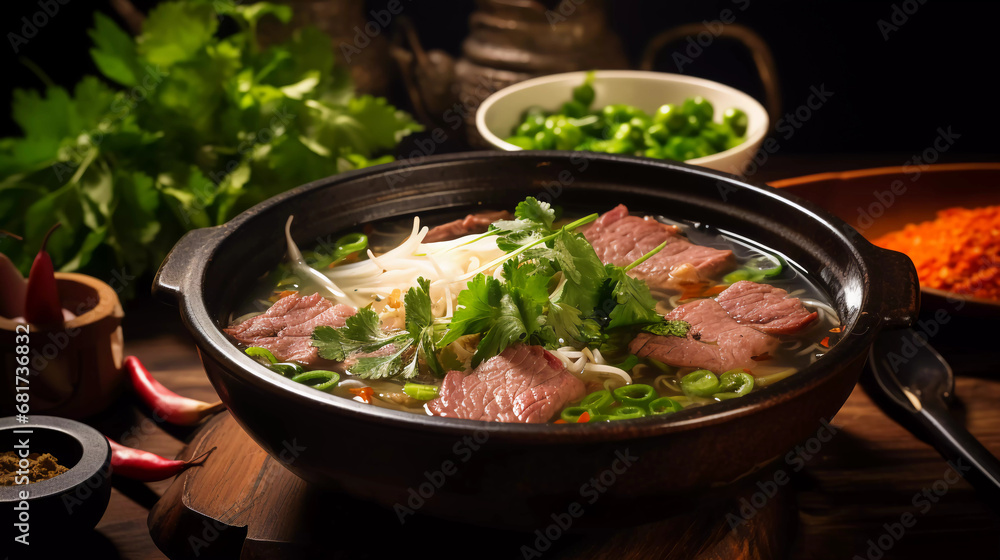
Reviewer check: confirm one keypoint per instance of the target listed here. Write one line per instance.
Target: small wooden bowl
(76, 370)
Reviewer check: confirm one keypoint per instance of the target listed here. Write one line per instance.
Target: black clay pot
(511, 475)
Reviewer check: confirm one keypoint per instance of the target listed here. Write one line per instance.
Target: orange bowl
(885, 199)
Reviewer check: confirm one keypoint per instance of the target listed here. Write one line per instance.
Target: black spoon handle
(964, 452)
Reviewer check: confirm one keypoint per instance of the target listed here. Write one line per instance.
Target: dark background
(937, 70)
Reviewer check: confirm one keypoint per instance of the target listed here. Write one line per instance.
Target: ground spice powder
(957, 252)
(41, 466)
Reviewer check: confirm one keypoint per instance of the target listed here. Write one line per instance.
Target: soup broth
(596, 369)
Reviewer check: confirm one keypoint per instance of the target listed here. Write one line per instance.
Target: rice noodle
(814, 347)
(823, 309)
(669, 381)
(589, 364)
(765, 380)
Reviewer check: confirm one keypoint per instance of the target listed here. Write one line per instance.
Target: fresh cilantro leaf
(634, 305)
(382, 367)
(669, 328)
(114, 52)
(582, 268)
(420, 324)
(503, 313)
(201, 128)
(533, 222)
(362, 334)
(176, 31)
(475, 310)
(507, 327)
(531, 210)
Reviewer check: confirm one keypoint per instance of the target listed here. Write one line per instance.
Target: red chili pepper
(42, 305)
(693, 290)
(559, 421)
(714, 290)
(825, 343)
(364, 392)
(835, 330)
(584, 418)
(166, 404)
(148, 467)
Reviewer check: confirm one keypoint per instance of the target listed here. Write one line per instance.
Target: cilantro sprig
(591, 302)
(183, 128)
(397, 353)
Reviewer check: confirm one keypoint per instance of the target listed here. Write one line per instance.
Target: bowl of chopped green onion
(648, 114)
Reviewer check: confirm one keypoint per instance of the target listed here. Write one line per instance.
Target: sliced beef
(620, 239)
(715, 342)
(473, 223)
(767, 308)
(728, 332)
(522, 384)
(286, 328)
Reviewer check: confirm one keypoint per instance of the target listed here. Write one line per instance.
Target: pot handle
(180, 265)
(900, 288)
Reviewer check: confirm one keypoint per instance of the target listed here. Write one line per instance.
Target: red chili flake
(559, 421)
(745, 370)
(762, 357)
(825, 343)
(364, 392)
(584, 418)
(835, 330)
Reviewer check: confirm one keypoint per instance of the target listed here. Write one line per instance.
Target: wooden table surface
(856, 488)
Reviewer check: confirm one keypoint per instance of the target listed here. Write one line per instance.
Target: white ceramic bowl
(502, 111)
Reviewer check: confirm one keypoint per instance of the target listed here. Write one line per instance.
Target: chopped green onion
(343, 248)
(287, 368)
(756, 269)
(259, 352)
(601, 418)
(598, 400)
(736, 275)
(768, 265)
(629, 363)
(701, 383)
(734, 383)
(421, 392)
(665, 405)
(637, 395)
(627, 412)
(330, 378)
(572, 414)
(643, 258)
